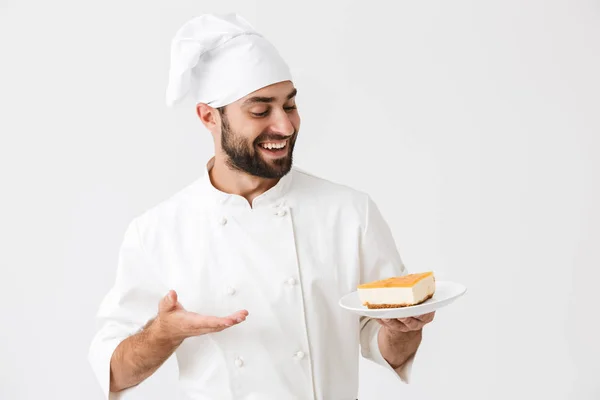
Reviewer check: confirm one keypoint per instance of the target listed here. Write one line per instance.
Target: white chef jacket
(288, 258)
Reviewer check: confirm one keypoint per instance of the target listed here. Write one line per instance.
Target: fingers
(201, 324)
(179, 323)
(394, 325)
(172, 296)
(239, 316)
(402, 324)
(407, 324)
(234, 318)
(168, 302)
(426, 318)
(412, 324)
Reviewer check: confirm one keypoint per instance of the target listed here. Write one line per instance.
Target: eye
(265, 113)
(262, 114)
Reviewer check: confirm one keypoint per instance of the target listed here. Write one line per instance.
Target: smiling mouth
(274, 146)
(274, 149)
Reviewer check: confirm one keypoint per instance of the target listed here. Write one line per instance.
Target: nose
(282, 124)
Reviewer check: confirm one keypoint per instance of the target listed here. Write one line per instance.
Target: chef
(239, 274)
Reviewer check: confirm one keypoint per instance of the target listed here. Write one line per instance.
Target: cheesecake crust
(376, 306)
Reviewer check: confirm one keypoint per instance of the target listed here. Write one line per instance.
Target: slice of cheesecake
(401, 291)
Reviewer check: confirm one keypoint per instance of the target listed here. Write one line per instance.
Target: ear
(209, 116)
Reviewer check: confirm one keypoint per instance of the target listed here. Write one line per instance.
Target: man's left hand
(403, 325)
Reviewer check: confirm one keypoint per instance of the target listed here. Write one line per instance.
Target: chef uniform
(287, 258)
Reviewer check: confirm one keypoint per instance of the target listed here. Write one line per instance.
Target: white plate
(445, 293)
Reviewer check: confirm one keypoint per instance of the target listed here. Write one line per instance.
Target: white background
(473, 124)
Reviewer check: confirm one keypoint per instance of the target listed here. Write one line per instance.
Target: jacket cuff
(370, 350)
(99, 357)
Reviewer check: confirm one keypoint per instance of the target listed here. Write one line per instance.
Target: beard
(244, 156)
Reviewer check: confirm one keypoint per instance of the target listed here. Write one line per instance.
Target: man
(240, 273)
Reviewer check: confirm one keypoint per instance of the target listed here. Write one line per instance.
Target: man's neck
(233, 181)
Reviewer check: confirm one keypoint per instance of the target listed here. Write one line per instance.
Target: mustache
(265, 137)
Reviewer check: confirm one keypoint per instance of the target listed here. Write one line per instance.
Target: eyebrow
(259, 99)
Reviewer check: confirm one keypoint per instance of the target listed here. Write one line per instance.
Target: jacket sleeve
(380, 259)
(126, 308)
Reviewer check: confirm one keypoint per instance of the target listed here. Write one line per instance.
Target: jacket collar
(275, 196)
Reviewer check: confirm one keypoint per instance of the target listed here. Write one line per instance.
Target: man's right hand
(139, 355)
(174, 323)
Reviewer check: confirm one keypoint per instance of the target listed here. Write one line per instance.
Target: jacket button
(223, 221)
(281, 213)
(239, 362)
(230, 290)
(292, 281)
(300, 355)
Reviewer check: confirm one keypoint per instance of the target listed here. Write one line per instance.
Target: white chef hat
(220, 58)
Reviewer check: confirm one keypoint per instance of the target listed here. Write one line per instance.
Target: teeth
(273, 145)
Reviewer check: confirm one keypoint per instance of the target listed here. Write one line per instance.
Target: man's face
(258, 132)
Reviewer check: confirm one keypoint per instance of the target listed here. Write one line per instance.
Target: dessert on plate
(399, 291)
